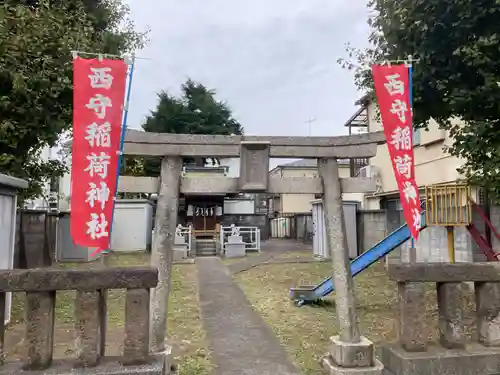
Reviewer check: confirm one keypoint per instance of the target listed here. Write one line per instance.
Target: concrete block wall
(432, 246)
(476, 252)
(372, 228)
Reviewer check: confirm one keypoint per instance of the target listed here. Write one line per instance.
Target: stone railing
(91, 288)
(414, 330)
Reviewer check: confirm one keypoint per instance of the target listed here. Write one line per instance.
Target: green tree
(36, 40)
(196, 111)
(457, 43)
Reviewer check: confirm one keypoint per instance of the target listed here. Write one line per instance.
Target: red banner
(98, 96)
(393, 94)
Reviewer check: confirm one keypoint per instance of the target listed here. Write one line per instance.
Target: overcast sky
(273, 61)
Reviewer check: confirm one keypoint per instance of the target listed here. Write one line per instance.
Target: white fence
(250, 236)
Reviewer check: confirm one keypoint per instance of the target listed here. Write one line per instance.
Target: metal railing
(250, 236)
(448, 205)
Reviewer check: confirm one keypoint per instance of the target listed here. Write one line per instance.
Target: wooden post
(162, 249)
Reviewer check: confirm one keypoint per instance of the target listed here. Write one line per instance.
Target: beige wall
(313, 172)
(432, 164)
(296, 203)
(301, 203)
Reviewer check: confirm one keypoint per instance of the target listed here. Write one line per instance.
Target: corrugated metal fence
(298, 227)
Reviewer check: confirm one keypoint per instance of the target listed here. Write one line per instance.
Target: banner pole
(410, 90)
(122, 141)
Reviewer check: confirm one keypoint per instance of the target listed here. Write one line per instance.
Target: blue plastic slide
(309, 293)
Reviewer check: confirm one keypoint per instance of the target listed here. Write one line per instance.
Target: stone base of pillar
(180, 252)
(346, 354)
(235, 250)
(332, 369)
(476, 359)
(351, 358)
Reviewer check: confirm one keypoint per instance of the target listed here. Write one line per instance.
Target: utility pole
(310, 121)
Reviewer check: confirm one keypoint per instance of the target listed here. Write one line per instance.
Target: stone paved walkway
(240, 341)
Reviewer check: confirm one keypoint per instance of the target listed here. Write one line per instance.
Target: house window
(54, 185)
(481, 196)
(416, 137)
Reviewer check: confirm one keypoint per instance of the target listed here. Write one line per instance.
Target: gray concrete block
(332, 369)
(180, 252)
(179, 241)
(109, 366)
(235, 250)
(347, 354)
(476, 359)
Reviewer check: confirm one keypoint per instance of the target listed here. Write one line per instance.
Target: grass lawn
(292, 255)
(228, 261)
(305, 331)
(295, 255)
(185, 329)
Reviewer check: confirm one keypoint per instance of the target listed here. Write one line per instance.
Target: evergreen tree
(196, 111)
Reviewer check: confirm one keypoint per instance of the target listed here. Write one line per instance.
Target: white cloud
(273, 61)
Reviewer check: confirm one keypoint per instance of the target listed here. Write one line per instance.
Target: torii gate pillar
(348, 349)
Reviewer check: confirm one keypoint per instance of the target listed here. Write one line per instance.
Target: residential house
(290, 204)
(55, 193)
(433, 166)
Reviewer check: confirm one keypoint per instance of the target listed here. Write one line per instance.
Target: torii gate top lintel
(161, 144)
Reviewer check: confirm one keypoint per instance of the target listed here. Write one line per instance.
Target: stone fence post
(413, 355)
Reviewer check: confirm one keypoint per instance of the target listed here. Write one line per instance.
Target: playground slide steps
(309, 293)
(480, 240)
(491, 256)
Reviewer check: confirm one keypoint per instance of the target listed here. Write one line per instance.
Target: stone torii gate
(349, 349)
